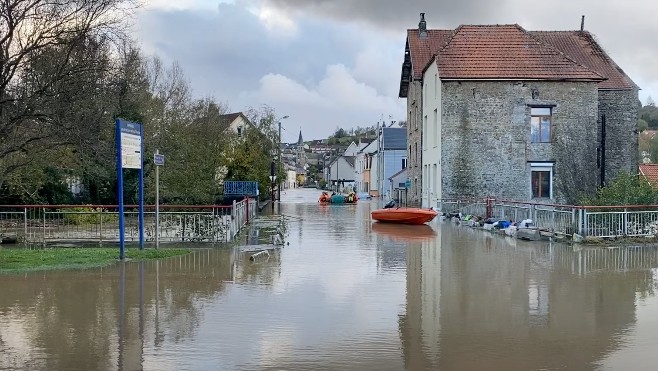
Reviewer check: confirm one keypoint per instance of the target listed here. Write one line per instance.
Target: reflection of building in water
(391, 255)
(484, 303)
(420, 325)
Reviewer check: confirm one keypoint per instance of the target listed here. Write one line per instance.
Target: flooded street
(345, 294)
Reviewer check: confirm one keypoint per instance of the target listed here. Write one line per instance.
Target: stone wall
(620, 108)
(414, 136)
(486, 149)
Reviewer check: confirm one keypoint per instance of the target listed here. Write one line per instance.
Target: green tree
(649, 114)
(340, 133)
(653, 150)
(49, 55)
(250, 159)
(196, 153)
(625, 189)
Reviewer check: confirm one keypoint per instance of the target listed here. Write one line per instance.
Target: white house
(340, 172)
(236, 122)
(291, 178)
(431, 143)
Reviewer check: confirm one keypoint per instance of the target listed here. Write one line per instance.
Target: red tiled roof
(583, 48)
(650, 172)
(422, 49)
(580, 47)
(506, 52)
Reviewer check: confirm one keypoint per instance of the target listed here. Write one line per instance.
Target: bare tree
(48, 50)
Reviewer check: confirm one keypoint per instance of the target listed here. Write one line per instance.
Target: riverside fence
(100, 223)
(587, 221)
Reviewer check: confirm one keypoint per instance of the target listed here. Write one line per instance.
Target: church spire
(300, 141)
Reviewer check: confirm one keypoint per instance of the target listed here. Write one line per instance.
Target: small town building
(496, 110)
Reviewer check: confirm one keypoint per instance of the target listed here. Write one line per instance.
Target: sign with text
(240, 188)
(158, 159)
(129, 156)
(131, 145)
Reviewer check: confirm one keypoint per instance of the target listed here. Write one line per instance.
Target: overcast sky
(336, 63)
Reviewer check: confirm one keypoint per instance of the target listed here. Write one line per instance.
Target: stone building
(496, 110)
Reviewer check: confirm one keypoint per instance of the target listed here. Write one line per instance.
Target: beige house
(236, 122)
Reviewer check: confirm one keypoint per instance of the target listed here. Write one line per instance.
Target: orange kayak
(404, 215)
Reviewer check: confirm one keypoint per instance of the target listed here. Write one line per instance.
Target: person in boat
(324, 197)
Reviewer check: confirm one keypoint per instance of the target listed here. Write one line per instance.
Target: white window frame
(534, 112)
(542, 166)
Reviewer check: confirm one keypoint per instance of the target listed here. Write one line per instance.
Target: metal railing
(100, 223)
(594, 221)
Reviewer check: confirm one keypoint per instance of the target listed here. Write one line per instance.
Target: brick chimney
(422, 26)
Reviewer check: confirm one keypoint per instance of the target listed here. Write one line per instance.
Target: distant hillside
(345, 137)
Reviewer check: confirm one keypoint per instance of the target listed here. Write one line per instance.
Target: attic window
(239, 131)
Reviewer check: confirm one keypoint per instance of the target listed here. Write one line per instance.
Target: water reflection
(344, 294)
(104, 319)
(518, 305)
(399, 232)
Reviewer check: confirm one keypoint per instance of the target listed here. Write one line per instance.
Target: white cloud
(182, 4)
(329, 66)
(277, 20)
(283, 90)
(337, 100)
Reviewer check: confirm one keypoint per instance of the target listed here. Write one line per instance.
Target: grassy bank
(26, 260)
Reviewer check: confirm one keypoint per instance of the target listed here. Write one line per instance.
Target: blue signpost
(130, 148)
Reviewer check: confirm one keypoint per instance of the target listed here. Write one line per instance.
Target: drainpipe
(602, 151)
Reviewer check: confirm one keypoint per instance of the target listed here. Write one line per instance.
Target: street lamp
(278, 197)
(272, 179)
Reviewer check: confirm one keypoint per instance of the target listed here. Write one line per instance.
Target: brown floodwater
(345, 294)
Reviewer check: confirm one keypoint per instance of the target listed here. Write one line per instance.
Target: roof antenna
(582, 24)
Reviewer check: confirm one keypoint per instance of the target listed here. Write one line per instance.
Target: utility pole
(278, 197)
(158, 160)
(157, 203)
(279, 160)
(337, 160)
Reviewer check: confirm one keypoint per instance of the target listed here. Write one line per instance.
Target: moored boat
(335, 198)
(404, 215)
